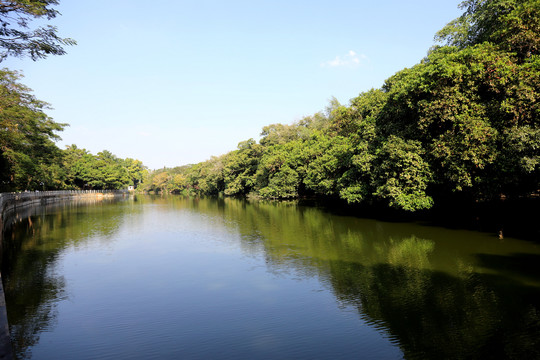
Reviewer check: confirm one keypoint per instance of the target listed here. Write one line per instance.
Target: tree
(110, 171)
(401, 175)
(275, 134)
(512, 24)
(159, 182)
(26, 138)
(77, 164)
(282, 169)
(475, 112)
(330, 158)
(240, 168)
(136, 171)
(19, 40)
(102, 171)
(177, 184)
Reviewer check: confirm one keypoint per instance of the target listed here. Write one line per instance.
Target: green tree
(211, 176)
(330, 159)
(240, 168)
(282, 170)
(77, 163)
(356, 126)
(17, 38)
(275, 134)
(136, 171)
(177, 183)
(475, 112)
(102, 171)
(27, 138)
(110, 172)
(401, 175)
(159, 182)
(512, 24)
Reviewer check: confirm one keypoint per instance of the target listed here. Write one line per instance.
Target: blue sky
(175, 82)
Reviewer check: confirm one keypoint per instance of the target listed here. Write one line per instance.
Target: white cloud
(144, 133)
(351, 59)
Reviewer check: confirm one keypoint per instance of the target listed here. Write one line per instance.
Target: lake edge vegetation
(462, 124)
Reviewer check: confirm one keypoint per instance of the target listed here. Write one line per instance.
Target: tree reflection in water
(435, 293)
(31, 248)
(480, 306)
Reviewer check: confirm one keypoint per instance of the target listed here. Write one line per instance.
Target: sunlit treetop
(514, 25)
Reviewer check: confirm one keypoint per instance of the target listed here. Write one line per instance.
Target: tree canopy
(19, 39)
(512, 24)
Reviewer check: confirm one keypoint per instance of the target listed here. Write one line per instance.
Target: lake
(208, 278)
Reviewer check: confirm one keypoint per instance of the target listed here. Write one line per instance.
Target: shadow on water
(517, 218)
(525, 266)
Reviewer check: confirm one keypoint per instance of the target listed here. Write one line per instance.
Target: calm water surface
(185, 278)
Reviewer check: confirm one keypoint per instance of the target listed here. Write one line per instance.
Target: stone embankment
(19, 206)
(12, 203)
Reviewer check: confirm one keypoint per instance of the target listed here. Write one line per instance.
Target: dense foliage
(461, 123)
(82, 170)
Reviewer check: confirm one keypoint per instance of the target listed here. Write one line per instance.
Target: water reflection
(435, 293)
(32, 245)
(431, 290)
